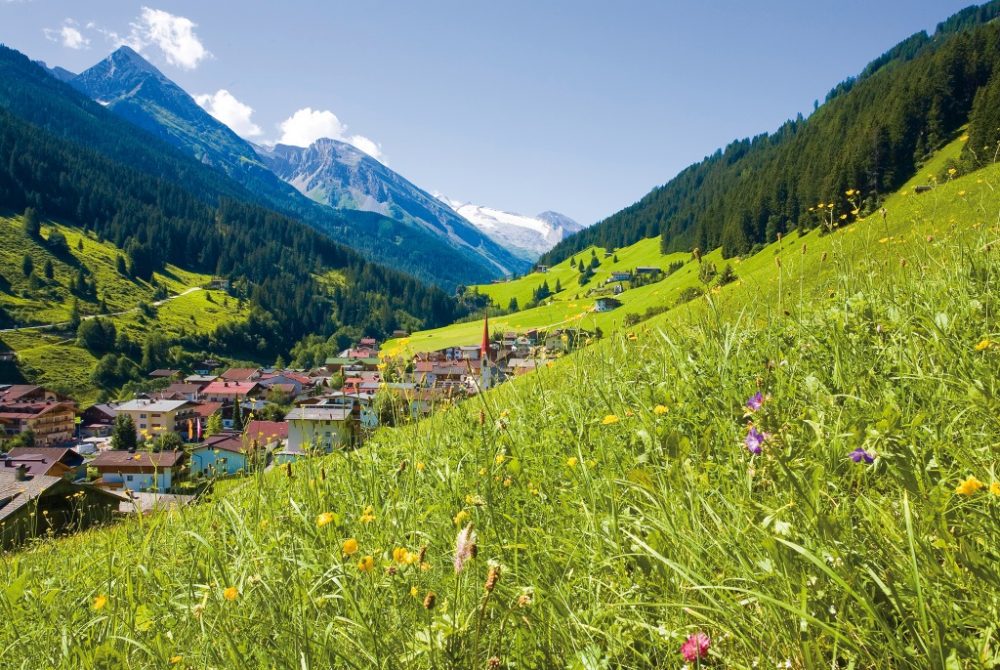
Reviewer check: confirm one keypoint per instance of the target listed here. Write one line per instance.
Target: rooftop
(317, 413)
(153, 405)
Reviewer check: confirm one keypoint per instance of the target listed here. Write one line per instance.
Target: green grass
(617, 539)
(51, 357)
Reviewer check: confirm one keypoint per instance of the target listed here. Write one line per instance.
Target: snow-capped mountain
(527, 237)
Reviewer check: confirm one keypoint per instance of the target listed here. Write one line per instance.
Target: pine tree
(27, 265)
(48, 270)
(32, 227)
(123, 433)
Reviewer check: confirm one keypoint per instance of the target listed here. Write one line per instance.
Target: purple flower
(860, 455)
(755, 402)
(755, 441)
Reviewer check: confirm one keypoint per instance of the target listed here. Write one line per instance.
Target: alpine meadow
(267, 403)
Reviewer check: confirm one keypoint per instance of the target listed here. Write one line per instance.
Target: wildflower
(350, 547)
(325, 518)
(403, 556)
(660, 410)
(984, 344)
(420, 466)
(174, 660)
(961, 194)
(366, 564)
(524, 600)
(465, 545)
(995, 488)
(231, 593)
(952, 171)
(969, 486)
(696, 647)
(460, 517)
(609, 420)
(755, 441)
(571, 462)
(414, 592)
(755, 402)
(499, 459)
(368, 516)
(99, 602)
(859, 455)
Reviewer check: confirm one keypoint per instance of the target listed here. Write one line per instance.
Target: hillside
(870, 135)
(616, 506)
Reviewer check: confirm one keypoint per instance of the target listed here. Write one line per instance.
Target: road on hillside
(48, 326)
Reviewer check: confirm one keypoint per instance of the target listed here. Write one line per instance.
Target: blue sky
(524, 105)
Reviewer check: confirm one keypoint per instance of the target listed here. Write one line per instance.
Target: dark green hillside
(871, 135)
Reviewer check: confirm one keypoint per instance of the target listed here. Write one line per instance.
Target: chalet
(620, 276)
(368, 343)
(618, 289)
(200, 380)
(541, 268)
(241, 375)
(139, 470)
(159, 416)
(52, 461)
(32, 505)
(470, 352)
(203, 411)
(605, 304)
(222, 454)
(266, 433)
(12, 393)
(319, 428)
(396, 334)
(97, 420)
(648, 270)
(51, 422)
(206, 366)
(228, 391)
(520, 366)
(182, 391)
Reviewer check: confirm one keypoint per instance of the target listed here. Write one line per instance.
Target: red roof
(207, 409)
(240, 374)
(266, 430)
(229, 388)
(224, 441)
(140, 459)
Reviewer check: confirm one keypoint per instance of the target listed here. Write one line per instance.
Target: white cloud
(308, 125)
(226, 108)
(174, 35)
(68, 35)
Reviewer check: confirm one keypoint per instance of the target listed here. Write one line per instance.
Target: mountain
(73, 161)
(337, 174)
(526, 236)
(131, 87)
(871, 134)
(60, 73)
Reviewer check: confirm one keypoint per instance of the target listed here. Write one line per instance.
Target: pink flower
(696, 647)
(465, 547)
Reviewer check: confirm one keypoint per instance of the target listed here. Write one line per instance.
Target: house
(205, 367)
(13, 393)
(139, 470)
(368, 343)
(200, 380)
(520, 366)
(32, 505)
(228, 392)
(648, 270)
(618, 290)
(222, 454)
(97, 420)
(203, 411)
(266, 433)
(922, 188)
(241, 374)
(179, 391)
(52, 461)
(398, 333)
(541, 268)
(620, 276)
(315, 427)
(51, 422)
(605, 304)
(159, 416)
(470, 352)
(164, 374)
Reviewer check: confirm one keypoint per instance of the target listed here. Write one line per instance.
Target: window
(142, 416)
(128, 478)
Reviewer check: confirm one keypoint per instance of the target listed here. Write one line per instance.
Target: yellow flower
(969, 486)
(482, 472)
(995, 488)
(403, 556)
(350, 547)
(571, 461)
(325, 518)
(609, 420)
(231, 593)
(843, 217)
(460, 517)
(660, 410)
(174, 660)
(414, 591)
(369, 515)
(952, 171)
(961, 194)
(420, 466)
(366, 564)
(100, 602)
(499, 459)
(984, 344)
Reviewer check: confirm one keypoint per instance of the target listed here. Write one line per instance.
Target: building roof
(206, 409)
(153, 405)
(318, 413)
(284, 388)
(229, 388)
(60, 454)
(200, 379)
(183, 389)
(164, 373)
(266, 430)
(15, 494)
(14, 392)
(145, 459)
(225, 441)
(240, 374)
(102, 408)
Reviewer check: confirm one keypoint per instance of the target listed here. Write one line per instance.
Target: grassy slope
(51, 358)
(618, 539)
